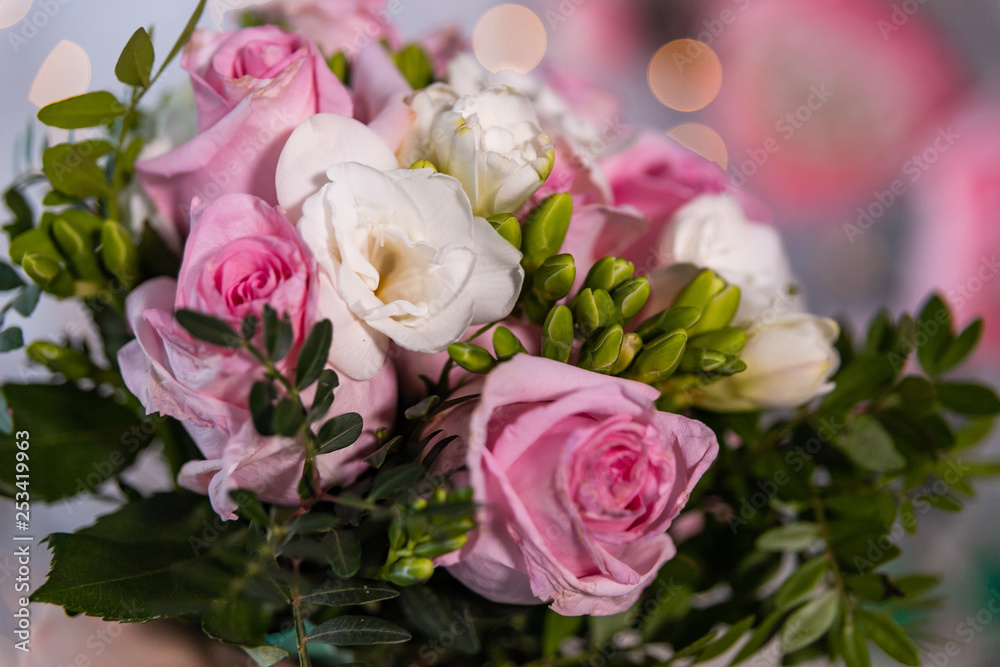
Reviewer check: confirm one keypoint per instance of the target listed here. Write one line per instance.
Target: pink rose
(336, 25)
(252, 88)
(580, 477)
(241, 254)
(657, 176)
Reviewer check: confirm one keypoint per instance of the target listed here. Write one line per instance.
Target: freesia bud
(554, 278)
(608, 273)
(545, 230)
(471, 357)
(410, 571)
(507, 226)
(595, 309)
(602, 351)
(118, 252)
(557, 334)
(506, 344)
(671, 319)
(630, 297)
(630, 348)
(660, 358)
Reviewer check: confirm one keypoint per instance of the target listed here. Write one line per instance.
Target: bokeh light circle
(703, 140)
(64, 73)
(509, 37)
(12, 11)
(685, 74)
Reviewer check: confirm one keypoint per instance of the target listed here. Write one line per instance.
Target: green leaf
(358, 631)
(917, 394)
(323, 398)
(961, 347)
(557, 628)
(859, 381)
(288, 418)
(87, 110)
(792, 537)
(809, 622)
(136, 60)
(802, 583)
(338, 593)
(416, 68)
(339, 432)
(9, 279)
(261, 404)
(761, 635)
(11, 339)
(240, 621)
(967, 398)
(854, 646)
(265, 656)
(343, 552)
(26, 300)
(278, 334)
(439, 613)
(391, 481)
(151, 559)
(23, 217)
(313, 355)
(934, 325)
(78, 438)
(888, 636)
(183, 38)
(314, 522)
(870, 446)
(250, 507)
(726, 641)
(74, 171)
(694, 647)
(207, 328)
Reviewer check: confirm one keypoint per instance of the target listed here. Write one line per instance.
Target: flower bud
(660, 358)
(630, 297)
(700, 360)
(397, 534)
(601, 352)
(671, 319)
(423, 164)
(78, 247)
(720, 310)
(608, 273)
(507, 226)
(435, 549)
(557, 334)
(545, 230)
(506, 344)
(118, 252)
(630, 348)
(66, 361)
(595, 309)
(788, 363)
(471, 357)
(700, 291)
(729, 340)
(410, 571)
(48, 274)
(554, 278)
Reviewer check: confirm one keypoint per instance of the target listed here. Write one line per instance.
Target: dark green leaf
(391, 481)
(339, 432)
(207, 328)
(761, 635)
(339, 593)
(870, 446)
(968, 399)
(358, 631)
(860, 380)
(26, 300)
(809, 622)
(9, 279)
(888, 636)
(792, 537)
(248, 327)
(961, 347)
(726, 641)
(11, 339)
(343, 552)
(323, 399)
(314, 522)
(289, 416)
(23, 217)
(696, 646)
(854, 648)
(313, 355)
(6, 423)
(103, 435)
(934, 325)
(136, 60)
(437, 614)
(87, 110)
(423, 408)
(250, 507)
(802, 583)
(241, 622)
(261, 405)
(278, 335)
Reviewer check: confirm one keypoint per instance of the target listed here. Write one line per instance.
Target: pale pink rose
(380, 92)
(241, 255)
(657, 176)
(579, 476)
(955, 249)
(822, 101)
(252, 88)
(336, 25)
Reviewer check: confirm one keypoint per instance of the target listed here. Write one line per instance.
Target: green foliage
(415, 66)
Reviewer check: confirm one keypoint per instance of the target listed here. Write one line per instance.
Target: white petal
(317, 144)
(357, 349)
(497, 281)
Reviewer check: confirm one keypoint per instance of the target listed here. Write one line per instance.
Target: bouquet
(452, 368)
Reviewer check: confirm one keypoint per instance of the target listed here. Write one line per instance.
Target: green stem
(300, 632)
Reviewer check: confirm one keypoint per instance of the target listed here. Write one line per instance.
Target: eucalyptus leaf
(358, 631)
(888, 636)
(343, 552)
(340, 593)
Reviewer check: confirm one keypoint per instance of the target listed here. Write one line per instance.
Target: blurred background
(868, 130)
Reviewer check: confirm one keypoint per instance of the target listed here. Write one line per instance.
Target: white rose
(712, 232)
(490, 141)
(400, 253)
(789, 362)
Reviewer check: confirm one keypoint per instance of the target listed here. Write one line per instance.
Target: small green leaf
(967, 398)
(934, 325)
(391, 481)
(11, 339)
(415, 66)
(961, 347)
(241, 621)
(802, 583)
(358, 631)
(810, 622)
(339, 432)
(888, 636)
(726, 641)
(136, 60)
(423, 408)
(323, 399)
(854, 646)
(261, 406)
(87, 110)
(792, 537)
(74, 172)
(8, 278)
(343, 552)
(26, 300)
(278, 334)
(207, 328)
(870, 446)
(265, 656)
(313, 355)
(250, 507)
(760, 636)
(339, 593)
